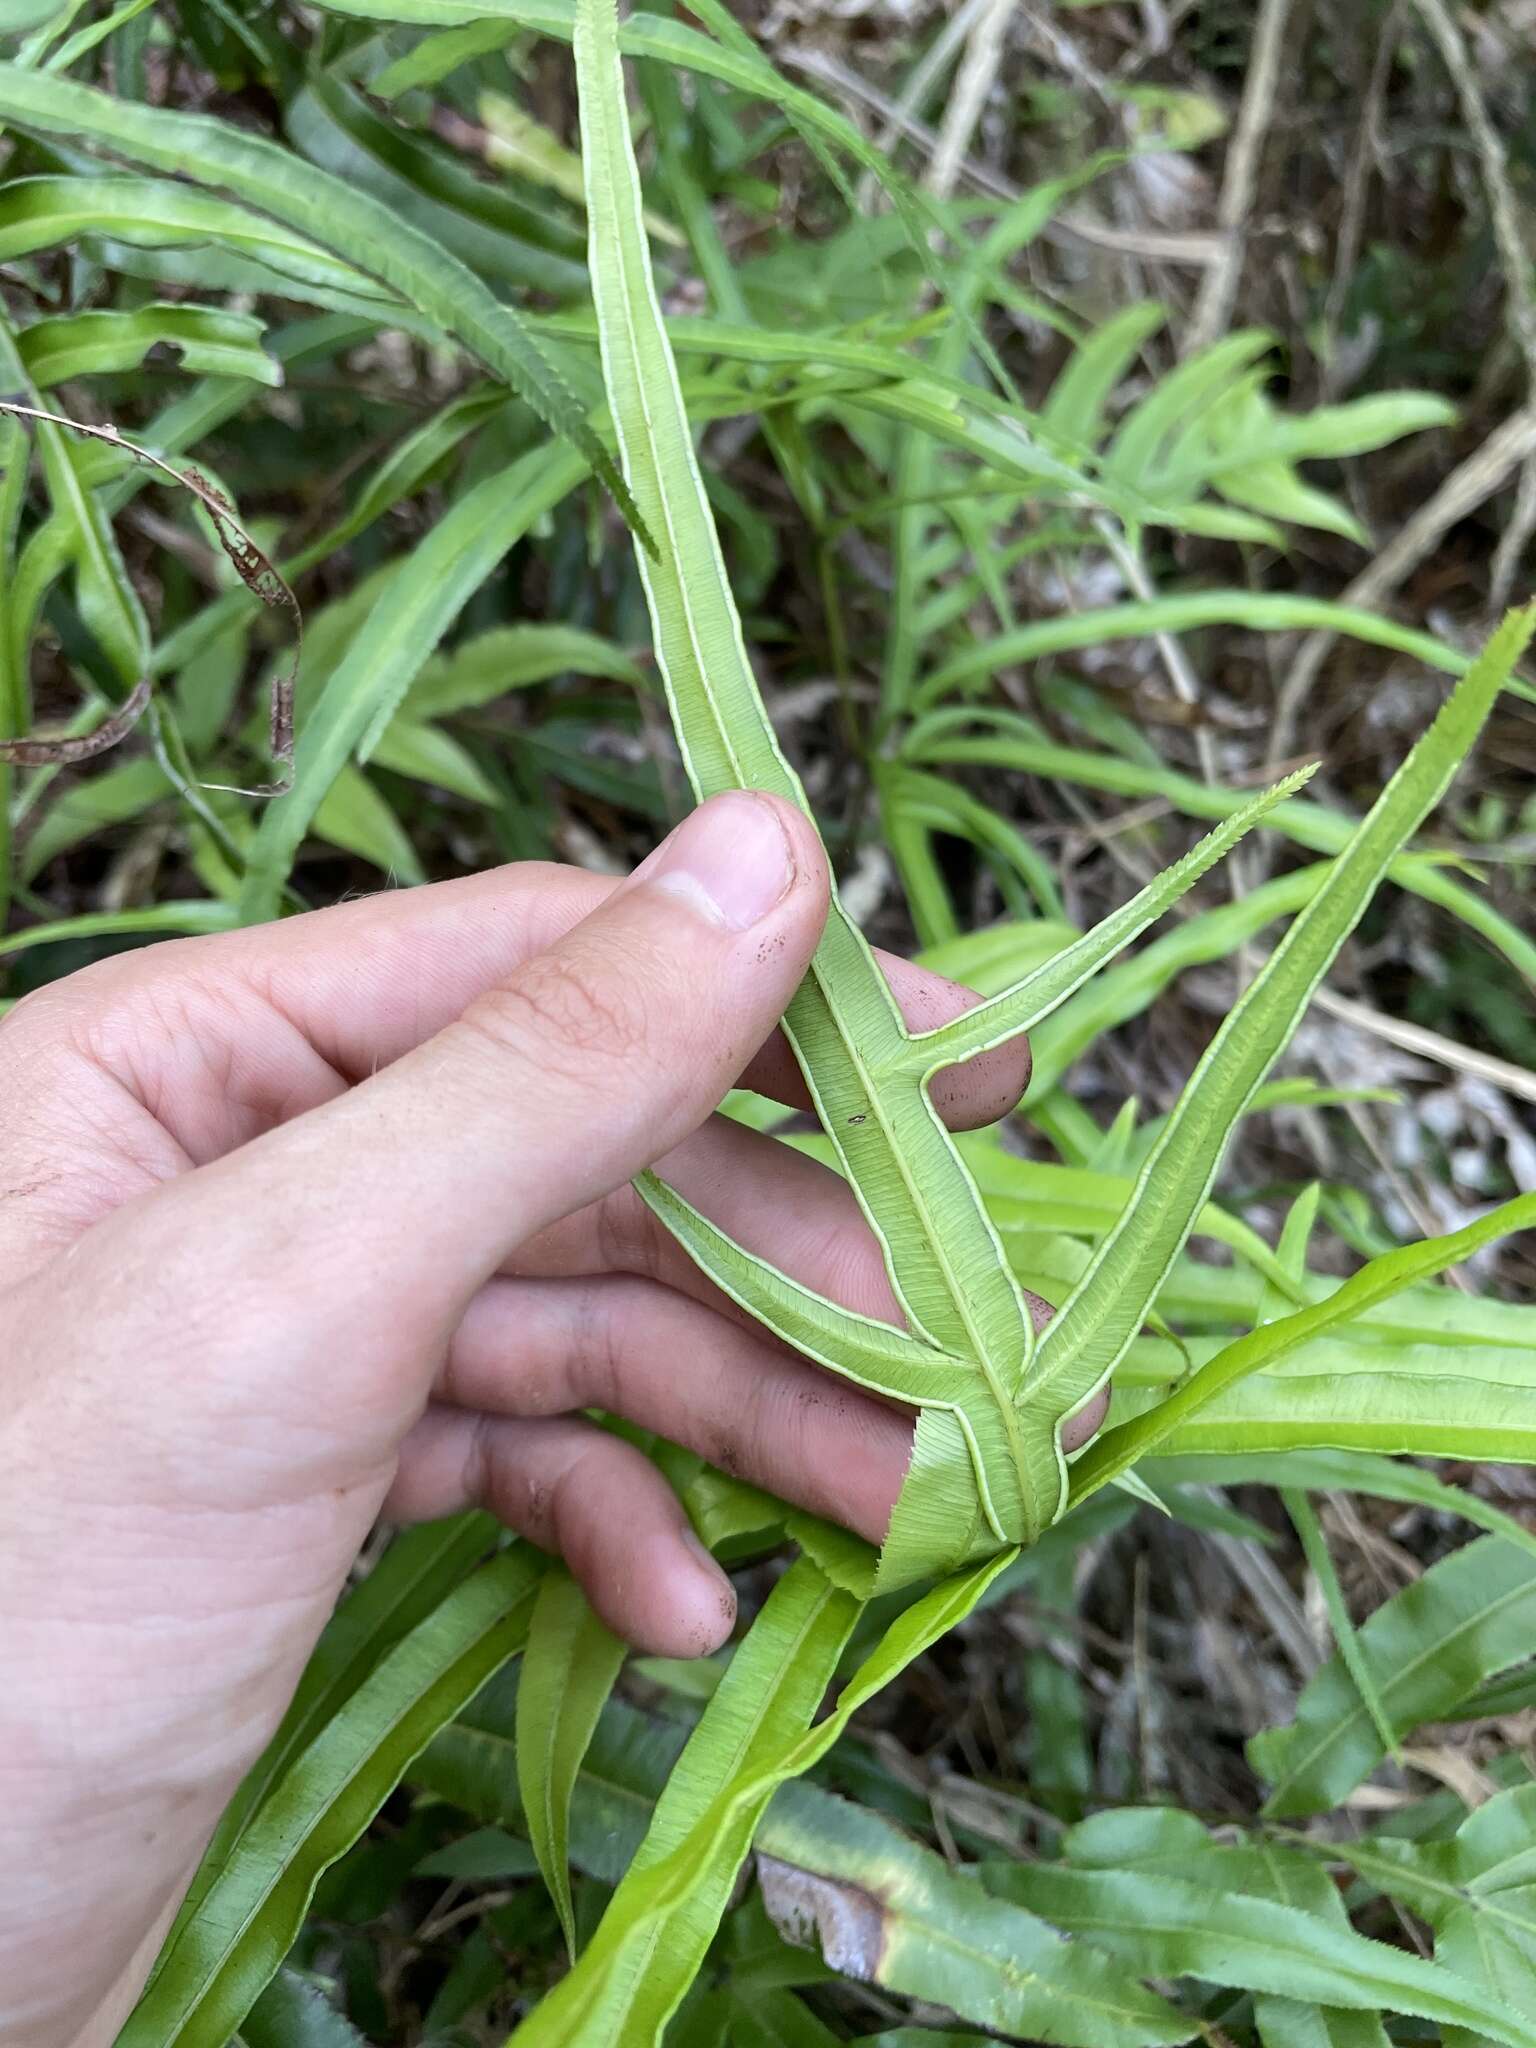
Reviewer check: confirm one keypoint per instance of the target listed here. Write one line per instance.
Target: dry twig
(1218, 288)
(255, 571)
(973, 84)
(1194, 250)
(1514, 261)
(1368, 145)
(922, 79)
(1506, 449)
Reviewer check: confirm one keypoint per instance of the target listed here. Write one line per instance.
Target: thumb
(592, 1059)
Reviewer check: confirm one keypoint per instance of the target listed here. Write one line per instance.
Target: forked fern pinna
(987, 1468)
(991, 1397)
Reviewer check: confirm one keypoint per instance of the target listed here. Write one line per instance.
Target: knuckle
(726, 1446)
(116, 1016)
(578, 1497)
(597, 1343)
(478, 1471)
(63, 1015)
(452, 1380)
(629, 1238)
(559, 1005)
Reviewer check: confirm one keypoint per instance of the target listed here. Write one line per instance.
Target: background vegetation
(1272, 265)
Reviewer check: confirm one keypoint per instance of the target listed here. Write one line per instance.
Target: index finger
(363, 983)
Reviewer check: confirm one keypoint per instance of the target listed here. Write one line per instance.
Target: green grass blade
(653, 1937)
(438, 56)
(929, 377)
(401, 631)
(927, 804)
(570, 1663)
(1256, 611)
(507, 240)
(1314, 1545)
(1330, 1471)
(681, 1870)
(1131, 986)
(85, 39)
(1080, 394)
(1245, 435)
(226, 1952)
(1143, 437)
(1090, 1336)
(909, 834)
(427, 754)
(943, 1938)
(1119, 1449)
(729, 31)
(1022, 747)
(473, 1764)
(113, 484)
(337, 215)
(1035, 1194)
(157, 920)
(109, 604)
(507, 658)
(418, 1570)
(404, 471)
(733, 61)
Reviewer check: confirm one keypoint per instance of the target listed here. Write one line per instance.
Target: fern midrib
(87, 520)
(821, 989)
(1380, 1868)
(625, 248)
(1425, 1653)
(1336, 908)
(933, 1230)
(1283, 1951)
(751, 1732)
(871, 1091)
(633, 291)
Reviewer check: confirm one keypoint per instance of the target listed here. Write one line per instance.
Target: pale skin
(305, 1226)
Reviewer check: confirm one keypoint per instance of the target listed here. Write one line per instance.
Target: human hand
(303, 1225)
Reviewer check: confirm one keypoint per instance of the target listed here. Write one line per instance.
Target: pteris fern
(987, 1468)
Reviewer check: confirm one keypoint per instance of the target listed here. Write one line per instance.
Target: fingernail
(731, 861)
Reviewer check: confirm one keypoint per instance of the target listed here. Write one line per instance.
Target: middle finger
(536, 1348)
(770, 1198)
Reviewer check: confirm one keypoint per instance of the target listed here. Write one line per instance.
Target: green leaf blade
(1102, 1315)
(1465, 1620)
(570, 1663)
(339, 217)
(227, 1951)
